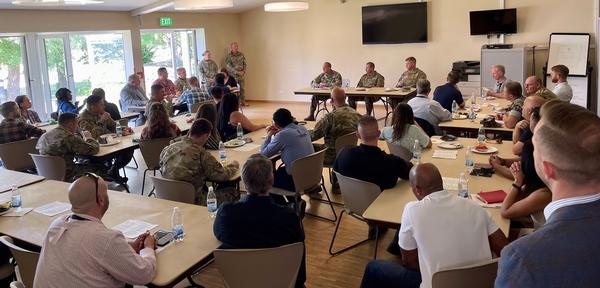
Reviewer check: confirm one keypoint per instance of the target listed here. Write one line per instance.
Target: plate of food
(484, 149)
(450, 145)
(234, 143)
(459, 116)
(390, 89)
(110, 143)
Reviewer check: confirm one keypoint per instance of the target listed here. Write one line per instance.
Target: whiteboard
(570, 50)
(580, 89)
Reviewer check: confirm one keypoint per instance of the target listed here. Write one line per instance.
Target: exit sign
(166, 21)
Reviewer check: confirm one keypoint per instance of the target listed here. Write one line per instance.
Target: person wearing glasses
(80, 251)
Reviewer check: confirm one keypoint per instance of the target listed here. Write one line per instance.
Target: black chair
(427, 127)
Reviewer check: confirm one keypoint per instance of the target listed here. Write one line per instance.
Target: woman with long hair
(230, 116)
(209, 112)
(26, 113)
(404, 130)
(158, 124)
(228, 81)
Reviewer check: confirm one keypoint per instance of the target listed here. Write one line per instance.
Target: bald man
(522, 132)
(433, 235)
(341, 121)
(533, 86)
(80, 251)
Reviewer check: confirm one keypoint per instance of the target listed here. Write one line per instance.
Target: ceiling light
(202, 4)
(286, 6)
(55, 2)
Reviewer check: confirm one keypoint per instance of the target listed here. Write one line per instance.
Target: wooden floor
(344, 270)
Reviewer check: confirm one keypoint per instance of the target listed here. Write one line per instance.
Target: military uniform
(95, 125)
(408, 79)
(208, 69)
(186, 161)
(339, 122)
(546, 94)
(62, 143)
(333, 79)
(516, 108)
(237, 62)
(368, 81)
(182, 85)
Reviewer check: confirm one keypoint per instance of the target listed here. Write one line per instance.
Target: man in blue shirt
(448, 92)
(564, 252)
(195, 94)
(291, 140)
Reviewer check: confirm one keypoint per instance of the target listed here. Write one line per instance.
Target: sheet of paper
(19, 212)
(450, 184)
(134, 228)
(445, 154)
(52, 209)
(247, 147)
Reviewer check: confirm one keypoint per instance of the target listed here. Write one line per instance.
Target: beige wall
(285, 51)
(220, 29)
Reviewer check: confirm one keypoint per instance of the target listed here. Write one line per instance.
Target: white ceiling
(128, 5)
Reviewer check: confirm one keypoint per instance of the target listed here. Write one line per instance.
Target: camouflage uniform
(95, 125)
(546, 94)
(339, 122)
(333, 79)
(516, 108)
(182, 85)
(368, 81)
(186, 161)
(408, 79)
(61, 142)
(237, 62)
(208, 69)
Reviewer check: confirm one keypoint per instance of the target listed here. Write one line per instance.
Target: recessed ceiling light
(202, 4)
(55, 2)
(286, 6)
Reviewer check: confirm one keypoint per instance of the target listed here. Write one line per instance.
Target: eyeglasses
(96, 178)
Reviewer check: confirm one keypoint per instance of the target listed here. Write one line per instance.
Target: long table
(174, 263)
(468, 128)
(323, 94)
(387, 209)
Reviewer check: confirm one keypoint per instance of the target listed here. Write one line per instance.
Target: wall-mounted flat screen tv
(487, 22)
(396, 23)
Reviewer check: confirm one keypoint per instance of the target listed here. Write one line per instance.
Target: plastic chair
(357, 195)
(17, 284)
(173, 190)
(15, 156)
(150, 150)
(307, 173)
(26, 260)
(477, 275)
(51, 167)
(341, 142)
(270, 267)
(400, 151)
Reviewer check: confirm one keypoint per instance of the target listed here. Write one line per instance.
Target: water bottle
(416, 153)
(177, 224)
(481, 136)
(119, 129)
(240, 131)
(469, 159)
(222, 153)
(211, 202)
(16, 197)
(463, 186)
(473, 99)
(471, 113)
(454, 107)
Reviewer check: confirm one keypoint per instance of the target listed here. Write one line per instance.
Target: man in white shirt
(426, 109)
(564, 252)
(558, 75)
(79, 251)
(440, 231)
(498, 72)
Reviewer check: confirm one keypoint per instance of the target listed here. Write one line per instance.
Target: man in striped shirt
(80, 251)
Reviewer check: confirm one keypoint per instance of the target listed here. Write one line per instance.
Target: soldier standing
(208, 69)
(328, 79)
(371, 79)
(236, 66)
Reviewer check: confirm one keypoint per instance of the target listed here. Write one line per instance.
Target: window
(13, 68)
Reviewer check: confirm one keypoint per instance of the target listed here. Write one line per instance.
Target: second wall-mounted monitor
(488, 22)
(396, 23)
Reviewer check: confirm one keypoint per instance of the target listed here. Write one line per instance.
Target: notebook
(492, 197)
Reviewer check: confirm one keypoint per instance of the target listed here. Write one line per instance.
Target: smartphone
(163, 237)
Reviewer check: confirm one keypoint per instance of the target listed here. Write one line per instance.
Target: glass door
(56, 63)
(14, 79)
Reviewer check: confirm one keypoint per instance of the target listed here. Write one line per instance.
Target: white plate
(111, 143)
(361, 89)
(459, 117)
(234, 143)
(43, 124)
(450, 145)
(490, 150)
